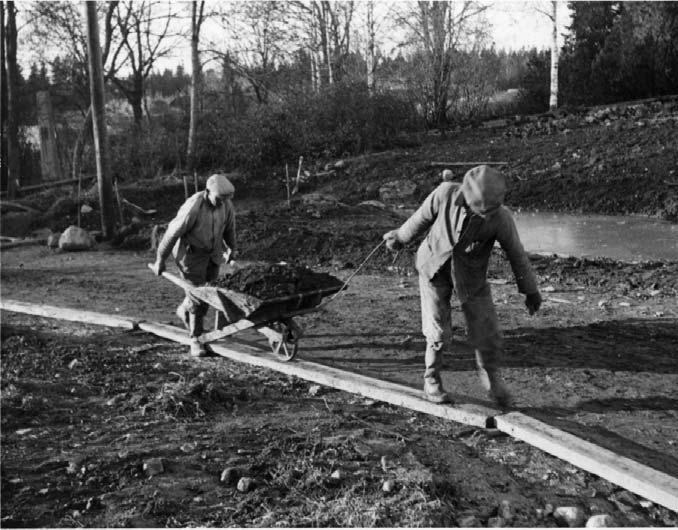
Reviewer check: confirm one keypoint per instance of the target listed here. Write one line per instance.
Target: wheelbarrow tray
(236, 305)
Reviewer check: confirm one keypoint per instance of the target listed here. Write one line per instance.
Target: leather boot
(198, 349)
(493, 383)
(433, 385)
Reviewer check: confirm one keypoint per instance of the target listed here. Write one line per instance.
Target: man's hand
(392, 241)
(158, 267)
(533, 302)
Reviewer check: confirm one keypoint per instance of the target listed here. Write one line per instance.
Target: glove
(392, 241)
(533, 302)
(158, 267)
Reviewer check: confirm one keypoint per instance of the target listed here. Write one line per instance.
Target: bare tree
(265, 35)
(96, 80)
(438, 30)
(144, 36)
(197, 14)
(10, 35)
(370, 47)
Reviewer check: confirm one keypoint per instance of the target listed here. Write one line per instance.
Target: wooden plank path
(645, 481)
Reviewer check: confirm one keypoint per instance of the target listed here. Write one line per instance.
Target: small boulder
(602, 520)
(245, 484)
(230, 475)
(572, 516)
(86, 208)
(75, 238)
(388, 486)
(468, 521)
(153, 466)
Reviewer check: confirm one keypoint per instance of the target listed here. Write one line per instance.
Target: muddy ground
(109, 428)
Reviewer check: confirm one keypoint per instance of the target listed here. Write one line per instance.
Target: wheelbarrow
(273, 317)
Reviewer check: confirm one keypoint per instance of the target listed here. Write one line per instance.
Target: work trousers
(481, 322)
(197, 268)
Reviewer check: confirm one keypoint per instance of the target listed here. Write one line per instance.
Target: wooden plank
(396, 394)
(64, 313)
(23, 243)
(52, 184)
(645, 481)
(463, 164)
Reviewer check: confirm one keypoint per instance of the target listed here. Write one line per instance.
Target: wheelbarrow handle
(174, 279)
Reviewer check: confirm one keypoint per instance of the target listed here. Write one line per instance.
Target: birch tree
(197, 17)
(10, 36)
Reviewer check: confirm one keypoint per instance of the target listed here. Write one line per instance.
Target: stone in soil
(275, 280)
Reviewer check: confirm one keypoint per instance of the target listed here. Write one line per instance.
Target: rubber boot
(492, 382)
(433, 385)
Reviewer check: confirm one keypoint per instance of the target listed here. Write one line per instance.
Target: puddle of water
(617, 237)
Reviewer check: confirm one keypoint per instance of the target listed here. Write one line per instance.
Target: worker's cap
(219, 185)
(484, 188)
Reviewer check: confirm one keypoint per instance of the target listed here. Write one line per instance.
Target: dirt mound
(276, 280)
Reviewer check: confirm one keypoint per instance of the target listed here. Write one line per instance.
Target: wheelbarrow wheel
(287, 348)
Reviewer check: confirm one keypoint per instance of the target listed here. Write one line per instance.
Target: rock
(496, 522)
(397, 191)
(384, 464)
(153, 466)
(73, 364)
(626, 497)
(230, 475)
(53, 240)
(336, 475)
(468, 521)
(504, 511)
(601, 521)
(75, 238)
(245, 484)
(86, 208)
(340, 164)
(388, 486)
(571, 516)
(314, 390)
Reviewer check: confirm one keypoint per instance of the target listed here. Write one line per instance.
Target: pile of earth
(266, 281)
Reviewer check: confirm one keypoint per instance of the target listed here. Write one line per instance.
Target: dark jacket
(442, 214)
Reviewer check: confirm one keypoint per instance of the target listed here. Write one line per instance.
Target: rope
(326, 302)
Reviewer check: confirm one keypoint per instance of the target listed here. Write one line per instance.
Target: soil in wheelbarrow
(266, 281)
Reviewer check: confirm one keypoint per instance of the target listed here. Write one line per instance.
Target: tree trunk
(96, 85)
(12, 100)
(195, 85)
(3, 99)
(553, 100)
(369, 55)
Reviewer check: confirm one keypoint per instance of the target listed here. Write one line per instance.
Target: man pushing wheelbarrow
(198, 237)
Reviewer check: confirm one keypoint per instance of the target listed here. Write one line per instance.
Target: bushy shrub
(341, 120)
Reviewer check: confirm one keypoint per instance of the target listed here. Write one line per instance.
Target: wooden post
(195, 180)
(119, 201)
(185, 186)
(79, 205)
(295, 190)
(287, 182)
(96, 88)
